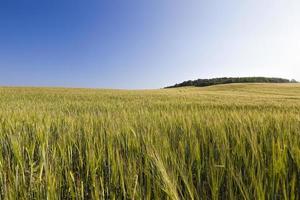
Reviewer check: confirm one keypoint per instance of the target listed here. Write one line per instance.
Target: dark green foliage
(227, 80)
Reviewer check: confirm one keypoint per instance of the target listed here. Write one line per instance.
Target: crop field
(236, 141)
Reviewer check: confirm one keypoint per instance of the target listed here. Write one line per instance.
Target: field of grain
(237, 141)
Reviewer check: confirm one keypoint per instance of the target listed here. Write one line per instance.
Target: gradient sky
(146, 43)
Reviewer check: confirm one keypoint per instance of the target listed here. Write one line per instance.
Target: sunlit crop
(239, 141)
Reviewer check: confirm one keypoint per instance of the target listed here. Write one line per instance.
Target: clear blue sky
(145, 43)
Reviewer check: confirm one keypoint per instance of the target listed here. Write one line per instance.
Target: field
(237, 141)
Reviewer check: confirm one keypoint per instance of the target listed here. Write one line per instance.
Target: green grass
(238, 141)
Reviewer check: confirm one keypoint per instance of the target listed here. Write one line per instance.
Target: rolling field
(237, 141)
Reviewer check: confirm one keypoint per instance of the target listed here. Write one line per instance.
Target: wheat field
(236, 141)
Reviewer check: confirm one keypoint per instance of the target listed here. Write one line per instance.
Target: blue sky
(138, 44)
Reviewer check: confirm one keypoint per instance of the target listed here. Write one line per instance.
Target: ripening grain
(239, 141)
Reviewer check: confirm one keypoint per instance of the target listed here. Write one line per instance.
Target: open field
(237, 141)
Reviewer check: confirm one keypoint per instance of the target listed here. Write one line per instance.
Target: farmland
(234, 141)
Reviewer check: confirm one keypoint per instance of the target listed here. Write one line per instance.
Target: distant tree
(227, 80)
(294, 81)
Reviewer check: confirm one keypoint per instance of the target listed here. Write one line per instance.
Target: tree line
(227, 80)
